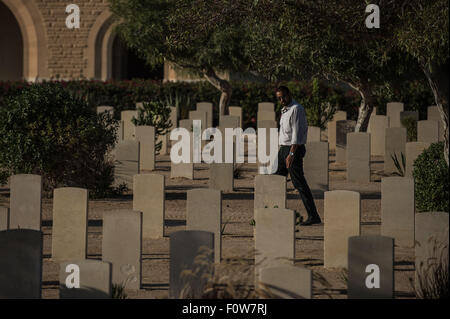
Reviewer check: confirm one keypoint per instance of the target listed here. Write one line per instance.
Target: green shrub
(155, 114)
(431, 176)
(47, 131)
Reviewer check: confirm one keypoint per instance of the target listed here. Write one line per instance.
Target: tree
(423, 32)
(163, 30)
(328, 39)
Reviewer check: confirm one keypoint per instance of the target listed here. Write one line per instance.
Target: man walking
(292, 140)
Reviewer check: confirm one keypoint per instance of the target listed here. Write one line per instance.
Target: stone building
(36, 44)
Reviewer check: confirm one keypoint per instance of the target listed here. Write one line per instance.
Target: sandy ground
(237, 240)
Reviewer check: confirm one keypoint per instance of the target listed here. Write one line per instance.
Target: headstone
(126, 163)
(187, 275)
(286, 282)
(265, 116)
(204, 212)
(266, 106)
(206, 107)
(274, 238)
(119, 131)
(412, 151)
(4, 218)
(221, 176)
(270, 191)
(342, 220)
(128, 126)
(378, 128)
(109, 109)
(236, 111)
(70, 217)
(358, 157)
(393, 110)
(370, 267)
(313, 134)
(431, 249)
(265, 125)
(342, 128)
(315, 166)
(187, 124)
(374, 112)
(94, 280)
(397, 210)
(140, 105)
(122, 246)
(434, 114)
(20, 264)
(146, 137)
(185, 170)
(428, 131)
(148, 198)
(331, 128)
(395, 143)
(199, 115)
(229, 121)
(25, 201)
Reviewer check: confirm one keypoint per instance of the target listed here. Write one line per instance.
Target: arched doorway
(128, 65)
(11, 46)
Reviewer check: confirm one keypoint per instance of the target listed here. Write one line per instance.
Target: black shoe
(311, 221)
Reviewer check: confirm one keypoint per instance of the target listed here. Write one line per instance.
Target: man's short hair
(283, 89)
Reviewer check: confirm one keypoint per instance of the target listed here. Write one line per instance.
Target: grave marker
(126, 162)
(4, 218)
(379, 124)
(185, 249)
(122, 246)
(287, 282)
(431, 244)
(395, 144)
(148, 198)
(204, 212)
(274, 238)
(270, 191)
(128, 126)
(358, 157)
(236, 111)
(412, 151)
(397, 209)
(313, 134)
(20, 264)
(94, 280)
(393, 110)
(206, 107)
(315, 166)
(146, 137)
(266, 107)
(25, 201)
(370, 267)
(342, 216)
(342, 128)
(70, 217)
(428, 131)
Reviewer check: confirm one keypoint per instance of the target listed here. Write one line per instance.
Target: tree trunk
(365, 108)
(223, 86)
(438, 79)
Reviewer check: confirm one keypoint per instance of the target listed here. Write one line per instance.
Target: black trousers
(297, 176)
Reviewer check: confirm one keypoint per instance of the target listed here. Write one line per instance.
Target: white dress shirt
(293, 125)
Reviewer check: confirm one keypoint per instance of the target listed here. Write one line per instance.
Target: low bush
(48, 131)
(431, 176)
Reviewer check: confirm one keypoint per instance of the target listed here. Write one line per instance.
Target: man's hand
(289, 160)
